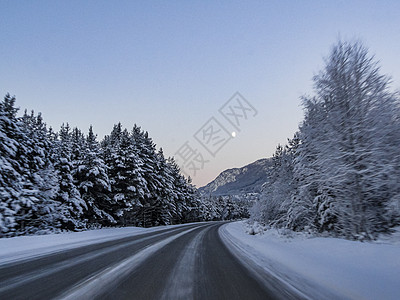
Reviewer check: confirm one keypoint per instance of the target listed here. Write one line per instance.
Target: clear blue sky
(170, 65)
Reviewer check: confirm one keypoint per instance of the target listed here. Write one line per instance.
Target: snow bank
(352, 270)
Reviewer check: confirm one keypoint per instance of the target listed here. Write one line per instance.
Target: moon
(233, 134)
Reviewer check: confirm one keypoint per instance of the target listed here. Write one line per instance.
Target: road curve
(188, 262)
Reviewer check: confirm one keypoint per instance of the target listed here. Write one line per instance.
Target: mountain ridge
(237, 181)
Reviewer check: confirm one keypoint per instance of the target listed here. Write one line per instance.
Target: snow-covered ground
(318, 267)
(323, 266)
(25, 247)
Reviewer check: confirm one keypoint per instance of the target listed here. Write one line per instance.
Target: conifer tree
(10, 178)
(71, 204)
(41, 211)
(93, 183)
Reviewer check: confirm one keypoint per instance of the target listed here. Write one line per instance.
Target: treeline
(222, 208)
(341, 172)
(53, 181)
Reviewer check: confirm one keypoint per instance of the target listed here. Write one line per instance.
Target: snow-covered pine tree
(164, 200)
(187, 201)
(177, 193)
(10, 178)
(40, 211)
(71, 204)
(209, 209)
(191, 200)
(128, 188)
(53, 181)
(93, 183)
(148, 156)
(77, 148)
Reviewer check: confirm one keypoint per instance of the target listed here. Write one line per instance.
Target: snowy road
(188, 262)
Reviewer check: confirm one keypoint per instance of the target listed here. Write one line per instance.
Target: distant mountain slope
(236, 181)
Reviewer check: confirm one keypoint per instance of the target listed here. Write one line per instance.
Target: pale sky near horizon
(169, 66)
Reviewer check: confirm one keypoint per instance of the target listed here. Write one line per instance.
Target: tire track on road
(62, 270)
(108, 278)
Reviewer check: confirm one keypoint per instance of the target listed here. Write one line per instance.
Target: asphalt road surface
(188, 262)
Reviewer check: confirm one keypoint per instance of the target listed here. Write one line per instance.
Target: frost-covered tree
(342, 173)
(312, 205)
(93, 182)
(41, 211)
(217, 208)
(165, 199)
(65, 181)
(277, 192)
(357, 152)
(148, 156)
(71, 204)
(128, 188)
(184, 194)
(10, 177)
